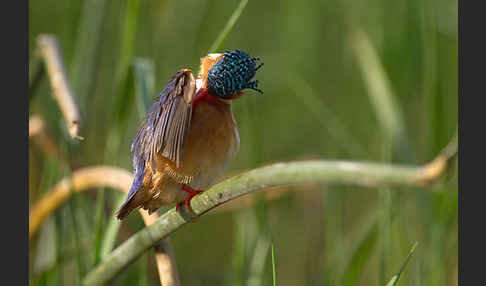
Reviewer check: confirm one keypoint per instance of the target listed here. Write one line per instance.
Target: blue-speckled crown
(233, 73)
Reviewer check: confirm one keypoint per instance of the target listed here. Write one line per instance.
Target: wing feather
(164, 129)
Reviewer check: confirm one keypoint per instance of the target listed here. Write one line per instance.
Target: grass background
(326, 96)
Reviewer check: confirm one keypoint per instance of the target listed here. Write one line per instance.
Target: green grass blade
(229, 26)
(125, 93)
(380, 92)
(86, 54)
(144, 78)
(124, 81)
(361, 256)
(109, 238)
(329, 120)
(46, 248)
(36, 73)
(388, 111)
(246, 234)
(123, 105)
(99, 219)
(274, 272)
(143, 270)
(139, 86)
(257, 263)
(80, 265)
(394, 280)
(127, 42)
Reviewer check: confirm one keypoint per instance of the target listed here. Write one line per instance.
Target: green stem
(319, 171)
(36, 73)
(229, 26)
(274, 272)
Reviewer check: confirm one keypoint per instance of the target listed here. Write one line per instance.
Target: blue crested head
(233, 73)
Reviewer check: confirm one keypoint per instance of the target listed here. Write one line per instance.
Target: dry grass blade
(442, 161)
(38, 133)
(36, 126)
(51, 53)
(164, 255)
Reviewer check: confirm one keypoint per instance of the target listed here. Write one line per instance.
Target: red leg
(190, 193)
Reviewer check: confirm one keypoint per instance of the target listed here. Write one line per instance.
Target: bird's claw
(190, 194)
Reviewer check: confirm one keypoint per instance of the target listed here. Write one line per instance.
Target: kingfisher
(189, 134)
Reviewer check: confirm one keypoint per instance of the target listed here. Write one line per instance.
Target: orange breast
(212, 142)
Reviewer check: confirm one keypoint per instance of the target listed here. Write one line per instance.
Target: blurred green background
(359, 80)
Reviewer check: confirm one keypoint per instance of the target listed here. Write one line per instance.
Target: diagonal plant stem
(51, 54)
(320, 171)
(229, 26)
(166, 266)
(390, 116)
(36, 74)
(274, 272)
(394, 280)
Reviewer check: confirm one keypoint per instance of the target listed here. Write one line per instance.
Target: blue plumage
(141, 145)
(233, 73)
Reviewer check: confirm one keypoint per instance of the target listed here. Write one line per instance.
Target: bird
(189, 134)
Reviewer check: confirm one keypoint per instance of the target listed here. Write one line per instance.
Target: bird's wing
(164, 129)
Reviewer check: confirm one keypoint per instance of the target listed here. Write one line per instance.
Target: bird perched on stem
(189, 134)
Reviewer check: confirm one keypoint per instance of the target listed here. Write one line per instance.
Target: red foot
(190, 193)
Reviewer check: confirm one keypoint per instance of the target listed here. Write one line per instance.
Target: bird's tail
(127, 207)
